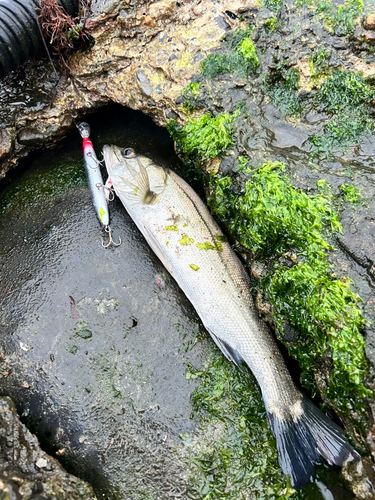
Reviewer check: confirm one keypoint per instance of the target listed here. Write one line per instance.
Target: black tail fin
(303, 441)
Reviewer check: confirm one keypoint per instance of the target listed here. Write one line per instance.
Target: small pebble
(41, 463)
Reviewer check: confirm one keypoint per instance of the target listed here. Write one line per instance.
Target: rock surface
(27, 472)
(143, 57)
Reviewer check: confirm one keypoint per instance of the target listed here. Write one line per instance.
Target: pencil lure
(95, 181)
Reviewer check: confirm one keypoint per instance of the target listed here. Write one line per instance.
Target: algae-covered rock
(275, 98)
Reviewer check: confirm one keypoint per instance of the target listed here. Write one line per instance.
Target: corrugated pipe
(20, 36)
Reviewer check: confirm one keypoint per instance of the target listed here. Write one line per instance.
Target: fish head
(116, 159)
(134, 176)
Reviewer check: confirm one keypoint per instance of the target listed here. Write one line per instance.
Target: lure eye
(128, 152)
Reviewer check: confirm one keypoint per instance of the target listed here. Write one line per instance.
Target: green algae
(72, 349)
(209, 246)
(81, 330)
(43, 184)
(191, 88)
(325, 310)
(243, 164)
(171, 228)
(205, 246)
(340, 19)
(318, 64)
(340, 134)
(239, 458)
(271, 24)
(346, 97)
(282, 85)
(220, 237)
(273, 5)
(351, 194)
(240, 56)
(185, 240)
(204, 137)
(190, 94)
(343, 91)
(272, 218)
(194, 267)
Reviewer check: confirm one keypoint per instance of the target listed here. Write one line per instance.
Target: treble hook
(108, 230)
(110, 194)
(98, 162)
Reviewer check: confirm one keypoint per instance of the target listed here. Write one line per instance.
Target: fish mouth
(112, 156)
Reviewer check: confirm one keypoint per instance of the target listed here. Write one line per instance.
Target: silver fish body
(183, 234)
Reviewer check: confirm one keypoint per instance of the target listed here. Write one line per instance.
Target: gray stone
(23, 465)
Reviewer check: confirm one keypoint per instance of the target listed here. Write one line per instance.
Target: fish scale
(183, 234)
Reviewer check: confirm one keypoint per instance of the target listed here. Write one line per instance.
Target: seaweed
(340, 19)
(346, 96)
(270, 218)
(204, 137)
(241, 461)
(351, 194)
(241, 56)
(318, 64)
(282, 85)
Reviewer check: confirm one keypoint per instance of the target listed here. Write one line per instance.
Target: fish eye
(128, 152)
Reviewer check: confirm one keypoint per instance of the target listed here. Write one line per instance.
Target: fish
(181, 231)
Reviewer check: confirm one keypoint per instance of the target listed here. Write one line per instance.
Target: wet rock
(131, 59)
(171, 115)
(369, 23)
(25, 468)
(96, 395)
(144, 83)
(370, 38)
(29, 136)
(5, 143)
(288, 135)
(361, 477)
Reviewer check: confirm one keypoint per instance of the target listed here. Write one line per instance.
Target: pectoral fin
(141, 186)
(229, 352)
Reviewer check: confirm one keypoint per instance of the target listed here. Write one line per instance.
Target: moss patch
(271, 218)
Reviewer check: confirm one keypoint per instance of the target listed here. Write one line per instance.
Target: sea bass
(183, 234)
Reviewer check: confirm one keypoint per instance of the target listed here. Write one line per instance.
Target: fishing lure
(95, 181)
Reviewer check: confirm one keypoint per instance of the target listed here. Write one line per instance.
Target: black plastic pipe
(20, 36)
